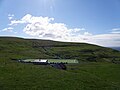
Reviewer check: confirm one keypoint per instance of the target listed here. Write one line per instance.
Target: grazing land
(96, 69)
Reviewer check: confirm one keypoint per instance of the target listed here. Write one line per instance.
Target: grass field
(83, 76)
(96, 69)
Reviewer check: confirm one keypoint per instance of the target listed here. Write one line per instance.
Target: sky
(90, 21)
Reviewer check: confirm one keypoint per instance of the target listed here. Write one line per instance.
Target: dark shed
(59, 66)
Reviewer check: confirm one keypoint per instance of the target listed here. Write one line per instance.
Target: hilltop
(19, 48)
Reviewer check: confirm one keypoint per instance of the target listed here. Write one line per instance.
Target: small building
(59, 66)
(40, 61)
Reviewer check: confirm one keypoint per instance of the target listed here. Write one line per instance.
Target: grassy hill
(94, 72)
(12, 47)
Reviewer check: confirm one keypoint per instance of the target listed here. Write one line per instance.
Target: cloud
(10, 16)
(46, 28)
(15, 22)
(8, 29)
(32, 19)
(116, 31)
(87, 34)
(43, 27)
(75, 30)
(105, 39)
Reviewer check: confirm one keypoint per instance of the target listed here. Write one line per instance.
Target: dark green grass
(85, 76)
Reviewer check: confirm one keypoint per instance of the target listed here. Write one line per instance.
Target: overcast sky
(90, 21)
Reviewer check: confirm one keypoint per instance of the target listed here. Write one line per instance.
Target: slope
(83, 76)
(13, 47)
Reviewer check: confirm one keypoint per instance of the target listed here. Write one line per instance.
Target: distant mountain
(116, 48)
(12, 47)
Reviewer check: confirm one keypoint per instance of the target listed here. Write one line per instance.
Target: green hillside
(95, 71)
(19, 48)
